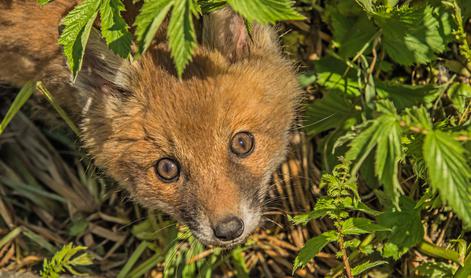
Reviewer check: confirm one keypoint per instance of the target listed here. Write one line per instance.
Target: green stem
(40, 86)
(465, 270)
(438, 252)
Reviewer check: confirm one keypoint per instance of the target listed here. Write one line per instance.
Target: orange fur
(133, 113)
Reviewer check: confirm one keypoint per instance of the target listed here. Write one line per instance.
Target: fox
(201, 148)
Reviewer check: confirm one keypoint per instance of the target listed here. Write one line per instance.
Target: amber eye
(242, 144)
(167, 169)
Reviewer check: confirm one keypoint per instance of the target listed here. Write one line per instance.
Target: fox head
(201, 148)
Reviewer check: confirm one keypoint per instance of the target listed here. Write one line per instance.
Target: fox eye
(242, 143)
(167, 169)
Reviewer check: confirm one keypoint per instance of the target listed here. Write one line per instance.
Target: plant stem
(438, 252)
(465, 270)
(40, 86)
(346, 263)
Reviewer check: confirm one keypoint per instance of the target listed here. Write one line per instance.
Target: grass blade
(24, 94)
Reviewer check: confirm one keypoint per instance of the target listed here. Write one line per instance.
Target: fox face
(201, 148)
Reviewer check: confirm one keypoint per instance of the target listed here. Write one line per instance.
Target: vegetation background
(377, 183)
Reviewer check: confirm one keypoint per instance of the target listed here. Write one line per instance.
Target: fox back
(201, 148)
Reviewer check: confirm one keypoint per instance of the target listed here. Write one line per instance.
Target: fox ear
(226, 31)
(102, 70)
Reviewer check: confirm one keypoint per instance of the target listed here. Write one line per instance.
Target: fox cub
(201, 148)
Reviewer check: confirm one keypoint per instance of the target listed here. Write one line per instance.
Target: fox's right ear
(102, 70)
(226, 31)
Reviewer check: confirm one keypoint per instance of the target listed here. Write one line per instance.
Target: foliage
(411, 139)
(181, 31)
(390, 121)
(66, 259)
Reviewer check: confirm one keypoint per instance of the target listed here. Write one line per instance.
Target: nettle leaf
(78, 24)
(388, 155)
(460, 96)
(114, 29)
(181, 34)
(384, 133)
(306, 217)
(208, 6)
(359, 269)
(406, 227)
(266, 11)
(359, 225)
(404, 96)
(150, 17)
(332, 111)
(414, 35)
(336, 81)
(312, 247)
(449, 172)
(351, 33)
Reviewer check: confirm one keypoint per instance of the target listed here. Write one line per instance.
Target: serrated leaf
(266, 11)
(384, 133)
(332, 111)
(405, 224)
(114, 29)
(351, 33)
(359, 225)
(78, 24)
(181, 34)
(306, 217)
(388, 155)
(460, 96)
(312, 247)
(359, 269)
(404, 96)
(414, 35)
(150, 17)
(449, 172)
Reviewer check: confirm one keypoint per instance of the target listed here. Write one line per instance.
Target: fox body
(201, 148)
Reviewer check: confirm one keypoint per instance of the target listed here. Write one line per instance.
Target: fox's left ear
(226, 31)
(103, 71)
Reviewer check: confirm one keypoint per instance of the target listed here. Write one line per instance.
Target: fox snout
(229, 228)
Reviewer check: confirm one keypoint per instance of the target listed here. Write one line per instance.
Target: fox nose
(229, 228)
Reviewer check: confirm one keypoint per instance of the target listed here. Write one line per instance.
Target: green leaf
(435, 270)
(24, 94)
(351, 33)
(181, 34)
(78, 24)
(312, 247)
(359, 225)
(448, 171)
(404, 96)
(306, 217)
(150, 17)
(114, 29)
(405, 224)
(44, 2)
(331, 111)
(359, 269)
(414, 35)
(388, 155)
(460, 96)
(265, 11)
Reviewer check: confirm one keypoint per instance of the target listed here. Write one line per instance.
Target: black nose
(229, 228)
